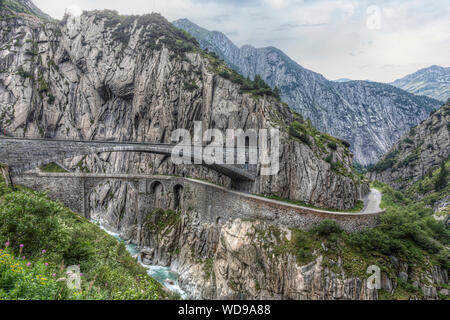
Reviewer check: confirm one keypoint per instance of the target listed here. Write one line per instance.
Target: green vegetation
(256, 87)
(299, 130)
(305, 131)
(407, 232)
(40, 238)
(81, 165)
(158, 220)
(190, 86)
(442, 179)
(387, 162)
(408, 229)
(52, 167)
(157, 31)
(17, 7)
(433, 186)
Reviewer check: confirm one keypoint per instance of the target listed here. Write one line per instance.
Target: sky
(378, 40)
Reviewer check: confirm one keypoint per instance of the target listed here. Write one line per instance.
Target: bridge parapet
(214, 204)
(25, 154)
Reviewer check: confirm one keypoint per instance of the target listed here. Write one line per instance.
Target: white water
(162, 274)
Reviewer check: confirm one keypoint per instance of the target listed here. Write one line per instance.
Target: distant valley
(371, 116)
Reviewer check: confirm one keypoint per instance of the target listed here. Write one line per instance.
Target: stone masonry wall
(215, 204)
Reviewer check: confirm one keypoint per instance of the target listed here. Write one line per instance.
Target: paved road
(372, 201)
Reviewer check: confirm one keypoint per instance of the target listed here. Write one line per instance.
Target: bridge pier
(144, 201)
(6, 175)
(86, 210)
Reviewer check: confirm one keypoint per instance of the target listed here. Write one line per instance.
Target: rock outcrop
(371, 116)
(420, 151)
(251, 260)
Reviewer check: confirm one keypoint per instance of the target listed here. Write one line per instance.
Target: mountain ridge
(420, 151)
(433, 81)
(356, 113)
(138, 78)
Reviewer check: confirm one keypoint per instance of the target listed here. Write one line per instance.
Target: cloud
(287, 26)
(74, 10)
(221, 18)
(328, 36)
(232, 33)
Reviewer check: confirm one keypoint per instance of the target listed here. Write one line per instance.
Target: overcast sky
(379, 40)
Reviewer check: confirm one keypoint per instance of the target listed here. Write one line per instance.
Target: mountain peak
(26, 7)
(432, 81)
(327, 104)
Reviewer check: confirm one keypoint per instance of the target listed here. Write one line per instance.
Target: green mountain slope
(40, 238)
(418, 153)
(24, 6)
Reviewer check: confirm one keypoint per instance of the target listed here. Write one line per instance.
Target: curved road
(371, 200)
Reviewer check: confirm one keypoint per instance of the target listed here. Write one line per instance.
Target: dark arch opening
(178, 197)
(247, 155)
(157, 190)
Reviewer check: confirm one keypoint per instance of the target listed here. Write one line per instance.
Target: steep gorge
(102, 76)
(370, 115)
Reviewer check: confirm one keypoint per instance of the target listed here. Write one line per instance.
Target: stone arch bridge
(23, 154)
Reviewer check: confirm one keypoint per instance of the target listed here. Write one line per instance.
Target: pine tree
(441, 181)
(276, 92)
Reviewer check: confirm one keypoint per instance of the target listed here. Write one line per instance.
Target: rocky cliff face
(371, 116)
(433, 82)
(420, 151)
(251, 260)
(102, 76)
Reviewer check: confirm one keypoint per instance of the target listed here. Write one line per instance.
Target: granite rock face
(422, 149)
(99, 76)
(245, 260)
(371, 116)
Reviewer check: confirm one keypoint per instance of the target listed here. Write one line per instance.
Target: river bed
(162, 274)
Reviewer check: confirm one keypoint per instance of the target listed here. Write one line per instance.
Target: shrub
(332, 145)
(442, 179)
(327, 228)
(299, 131)
(190, 86)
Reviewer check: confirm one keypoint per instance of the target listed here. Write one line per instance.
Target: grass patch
(30, 219)
(52, 167)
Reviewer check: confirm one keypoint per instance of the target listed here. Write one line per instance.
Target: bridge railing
(107, 140)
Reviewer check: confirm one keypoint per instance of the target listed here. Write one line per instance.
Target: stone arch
(58, 150)
(157, 192)
(178, 195)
